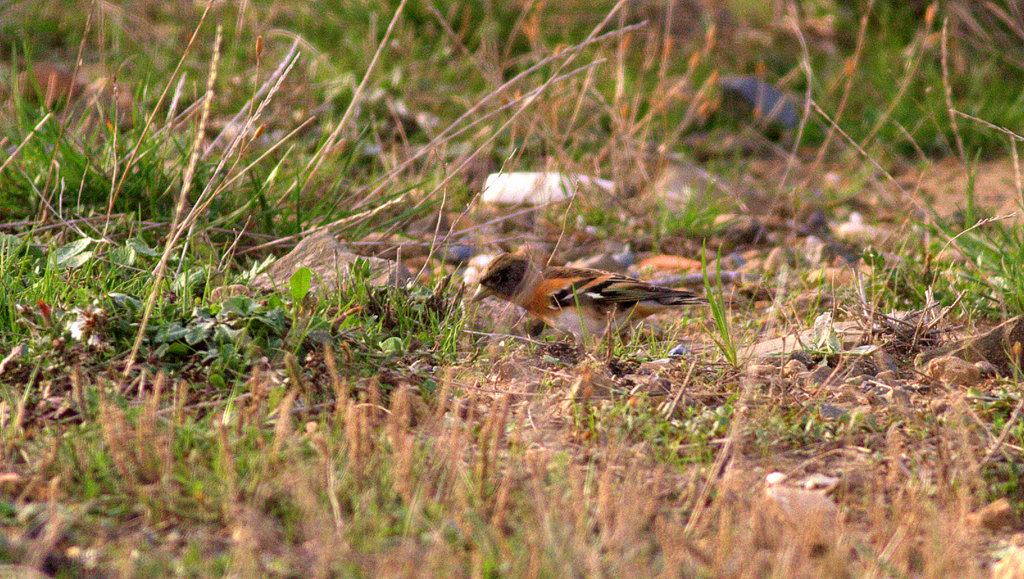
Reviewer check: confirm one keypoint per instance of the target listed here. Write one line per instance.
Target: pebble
(602, 261)
(735, 260)
(886, 377)
(528, 188)
(897, 397)
(777, 258)
(831, 411)
(994, 516)
(669, 263)
(856, 231)
(816, 378)
(743, 230)
(991, 346)
(697, 278)
(764, 101)
(224, 292)
(679, 350)
(938, 406)
(458, 253)
(987, 369)
(753, 267)
(476, 266)
(953, 371)
(820, 481)
(793, 368)
(884, 362)
(814, 249)
(814, 223)
(760, 370)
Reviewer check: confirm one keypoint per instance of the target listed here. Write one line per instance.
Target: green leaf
(172, 332)
(76, 261)
(124, 256)
(141, 248)
(392, 345)
(65, 255)
(299, 284)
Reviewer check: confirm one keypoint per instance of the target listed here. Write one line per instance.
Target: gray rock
(953, 371)
(1002, 346)
(831, 411)
(760, 99)
(679, 350)
(331, 264)
(602, 261)
(850, 334)
(458, 253)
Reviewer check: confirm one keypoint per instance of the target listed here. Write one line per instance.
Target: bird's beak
(481, 293)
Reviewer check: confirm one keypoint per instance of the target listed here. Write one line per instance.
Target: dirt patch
(944, 186)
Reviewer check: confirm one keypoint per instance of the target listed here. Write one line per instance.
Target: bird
(580, 301)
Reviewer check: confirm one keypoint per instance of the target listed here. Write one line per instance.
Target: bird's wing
(602, 288)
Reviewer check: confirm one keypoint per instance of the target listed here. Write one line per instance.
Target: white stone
(525, 188)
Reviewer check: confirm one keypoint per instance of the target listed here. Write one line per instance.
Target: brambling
(576, 300)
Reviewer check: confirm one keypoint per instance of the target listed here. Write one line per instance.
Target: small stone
(898, 397)
(884, 362)
(681, 183)
(752, 268)
(734, 260)
(525, 188)
(55, 83)
(743, 230)
(602, 261)
(818, 481)
(759, 99)
(679, 350)
(458, 253)
(856, 380)
(816, 378)
(953, 371)
(224, 292)
(673, 263)
(814, 222)
(331, 264)
(987, 369)
(994, 516)
(856, 231)
(778, 258)
(814, 249)
(793, 368)
(756, 369)
(860, 413)
(1001, 346)
(818, 251)
(886, 377)
(831, 411)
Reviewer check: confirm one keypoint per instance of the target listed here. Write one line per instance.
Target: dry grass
(382, 431)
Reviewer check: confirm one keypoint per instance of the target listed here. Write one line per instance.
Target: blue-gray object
(458, 253)
(737, 259)
(767, 101)
(679, 350)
